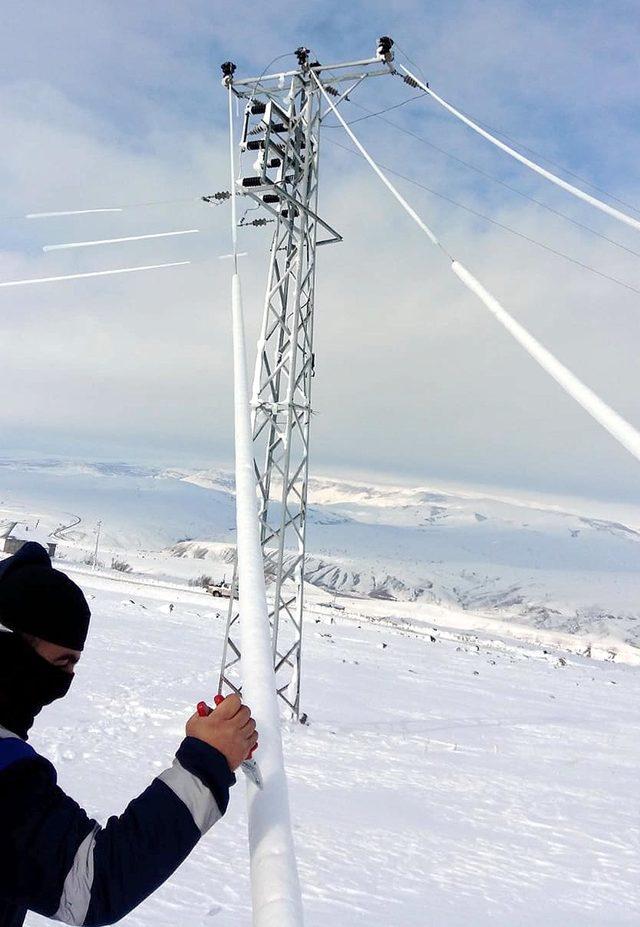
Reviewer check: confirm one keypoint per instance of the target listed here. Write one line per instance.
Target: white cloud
(108, 103)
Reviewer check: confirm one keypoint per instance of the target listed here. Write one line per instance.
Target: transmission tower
(283, 115)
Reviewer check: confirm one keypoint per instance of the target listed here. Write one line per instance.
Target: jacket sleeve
(60, 863)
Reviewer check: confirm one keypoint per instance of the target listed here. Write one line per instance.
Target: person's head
(47, 619)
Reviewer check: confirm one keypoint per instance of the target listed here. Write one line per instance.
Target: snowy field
(452, 781)
(471, 676)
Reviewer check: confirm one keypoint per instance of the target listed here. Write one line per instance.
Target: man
(54, 859)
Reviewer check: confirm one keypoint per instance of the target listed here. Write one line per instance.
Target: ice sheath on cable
(275, 886)
(617, 426)
(532, 165)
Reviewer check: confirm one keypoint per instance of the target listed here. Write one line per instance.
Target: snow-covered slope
(442, 781)
(466, 762)
(533, 563)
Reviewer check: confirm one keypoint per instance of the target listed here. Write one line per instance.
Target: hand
(229, 728)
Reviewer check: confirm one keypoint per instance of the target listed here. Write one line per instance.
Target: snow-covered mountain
(528, 562)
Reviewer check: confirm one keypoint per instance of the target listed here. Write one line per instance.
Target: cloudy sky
(114, 103)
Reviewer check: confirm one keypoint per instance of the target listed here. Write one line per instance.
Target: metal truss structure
(281, 137)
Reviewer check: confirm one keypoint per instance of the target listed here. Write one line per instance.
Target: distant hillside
(541, 565)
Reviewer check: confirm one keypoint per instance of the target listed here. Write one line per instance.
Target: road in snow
(438, 783)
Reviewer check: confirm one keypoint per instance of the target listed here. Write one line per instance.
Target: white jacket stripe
(76, 891)
(194, 793)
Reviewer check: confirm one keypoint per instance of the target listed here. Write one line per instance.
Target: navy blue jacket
(58, 862)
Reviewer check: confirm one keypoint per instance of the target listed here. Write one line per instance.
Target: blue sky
(114, 102)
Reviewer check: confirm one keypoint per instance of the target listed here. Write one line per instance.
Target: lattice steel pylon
(281, 129)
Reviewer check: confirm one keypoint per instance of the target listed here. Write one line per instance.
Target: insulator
(274, 162)
(259, 222)
(411, 81)
(256, 145)
(228, 69)
(217, 197)
(270, 198)
(253, 182)
(278, 127)
(332, 91)
(258, 108)
(257, 130)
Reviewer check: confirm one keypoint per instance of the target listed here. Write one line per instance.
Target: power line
(116, 208)
(603, 414)
(369, 113)
(94, 273)
(538, 154)
(560, 167)
(113, 241)
(494, 179)
(527, 162)
(501, 225)
(68, 212)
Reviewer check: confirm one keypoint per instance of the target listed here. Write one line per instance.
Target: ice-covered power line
(113, 241)
(548, 160)
(120, 207)
(275, 888)
(500, 225)
(70, 212)
(532, 165)
(618, 427)
(93, 273)
(483, 173)
(275, 885)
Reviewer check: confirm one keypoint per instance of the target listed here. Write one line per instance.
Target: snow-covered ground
(443, 779)
(471, 676)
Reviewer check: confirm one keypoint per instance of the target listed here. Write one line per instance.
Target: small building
(16, 536)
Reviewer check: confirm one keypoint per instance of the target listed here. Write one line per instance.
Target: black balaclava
(35, 600)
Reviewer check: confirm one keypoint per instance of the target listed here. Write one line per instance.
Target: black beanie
(36, 599)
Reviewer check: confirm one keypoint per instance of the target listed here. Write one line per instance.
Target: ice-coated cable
(114, 241)
(618, 427)
(92, 273)
(532, 165)
(607, 417)
(232, 168)
(365, 154)
(275, 885)
(501, 225)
